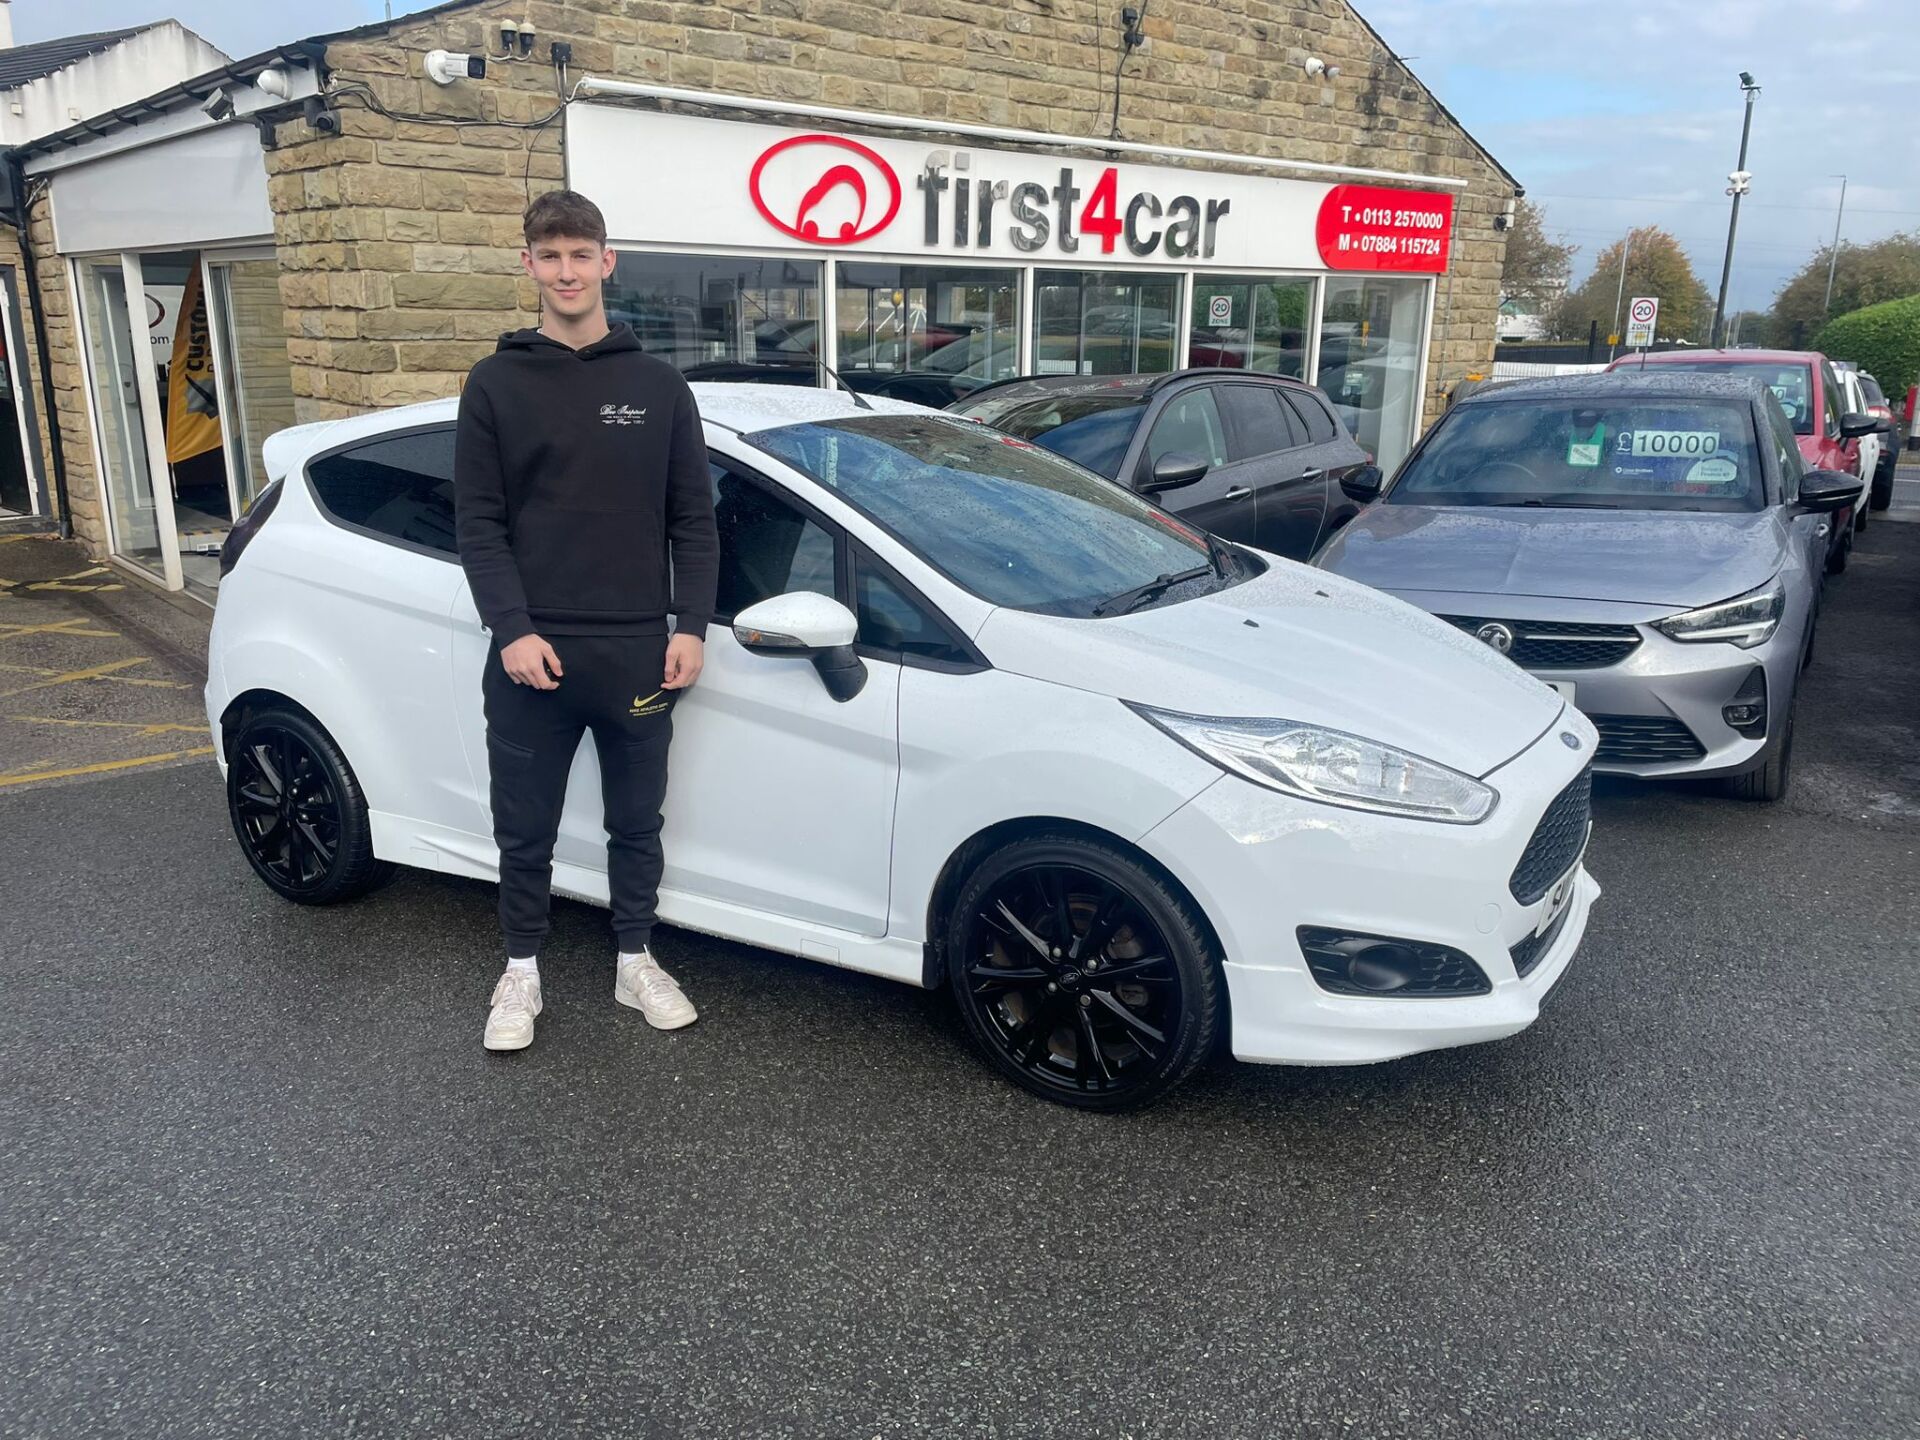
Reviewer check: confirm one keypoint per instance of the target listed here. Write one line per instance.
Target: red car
(1805, 384)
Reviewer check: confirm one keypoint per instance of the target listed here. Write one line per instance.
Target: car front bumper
(1262, 865)
(1659, 710)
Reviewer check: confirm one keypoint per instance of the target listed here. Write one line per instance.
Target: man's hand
(528, 661)
(685, 656)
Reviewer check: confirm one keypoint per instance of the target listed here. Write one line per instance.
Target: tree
(1883, 339)
(1864, 275)
(1750, 327)
(1656, 266)
(1537, 268)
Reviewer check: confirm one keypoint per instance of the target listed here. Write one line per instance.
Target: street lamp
(1738, 183)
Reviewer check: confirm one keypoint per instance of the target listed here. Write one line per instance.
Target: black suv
(1254, 458)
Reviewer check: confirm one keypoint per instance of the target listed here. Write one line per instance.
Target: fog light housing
(1747, 711)
(1344, 962)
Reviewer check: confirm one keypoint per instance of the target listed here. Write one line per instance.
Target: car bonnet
(1294, 644)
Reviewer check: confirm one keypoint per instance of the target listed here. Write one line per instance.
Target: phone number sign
(1369, 227)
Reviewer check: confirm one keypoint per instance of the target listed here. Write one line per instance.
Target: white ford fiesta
(971, 716)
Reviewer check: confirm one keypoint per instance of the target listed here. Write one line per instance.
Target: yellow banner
(193, 401)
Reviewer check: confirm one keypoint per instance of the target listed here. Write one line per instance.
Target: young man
(584, 515)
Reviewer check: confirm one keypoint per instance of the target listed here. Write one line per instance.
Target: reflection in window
(954, 328)
(1090, 323)
(1249, 324)
(1370, 360)
(718, 317)
(767, 547)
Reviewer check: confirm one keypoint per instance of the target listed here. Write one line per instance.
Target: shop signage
(705, 184)
(1369, 227)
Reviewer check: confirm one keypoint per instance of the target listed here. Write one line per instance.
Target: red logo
(824, 189)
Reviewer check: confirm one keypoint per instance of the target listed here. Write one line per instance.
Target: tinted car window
(1190, 425)
(892, 619)
(1090, 430)
(1870, 387)
(399, 487)
(1786, 451)
(1013, 523)
(1830, 397)
(1591, 453)
(1791, 381)
(1314, 414)
(1261, 424)
(767, 546)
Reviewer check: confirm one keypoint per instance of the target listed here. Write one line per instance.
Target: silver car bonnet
(1647, 557)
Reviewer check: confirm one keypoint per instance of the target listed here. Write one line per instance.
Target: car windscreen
(1012, 523)
(1790, 380)
(1870, 387)
(1091, 430)
(1647, 454)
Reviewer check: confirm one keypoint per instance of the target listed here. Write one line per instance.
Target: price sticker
(1693, 444)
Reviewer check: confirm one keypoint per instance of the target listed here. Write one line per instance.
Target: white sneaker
(639, 982)
(516, 1000)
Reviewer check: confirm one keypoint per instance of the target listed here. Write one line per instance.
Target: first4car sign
(689, 181)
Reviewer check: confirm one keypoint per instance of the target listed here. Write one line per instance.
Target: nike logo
(638, 702)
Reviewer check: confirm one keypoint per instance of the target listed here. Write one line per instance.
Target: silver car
(1648, 543)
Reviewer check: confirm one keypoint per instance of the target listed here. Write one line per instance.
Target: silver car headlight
(1746, 620)
(1329, 766)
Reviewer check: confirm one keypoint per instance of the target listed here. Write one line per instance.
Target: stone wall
(400, 237)
(69, 378)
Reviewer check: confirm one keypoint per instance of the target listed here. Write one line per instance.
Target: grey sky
(1611, 112)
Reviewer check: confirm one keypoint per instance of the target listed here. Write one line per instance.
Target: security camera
(218, 105)
(274, 82)
(320, 117)
(1314, 65)
(443, 67)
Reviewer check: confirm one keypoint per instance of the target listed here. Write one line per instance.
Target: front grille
(1556, 841)
(1559, 644)
(1645, 739)
(1347, 963)
(1530, 951)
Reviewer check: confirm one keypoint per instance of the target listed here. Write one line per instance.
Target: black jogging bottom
(611, 686)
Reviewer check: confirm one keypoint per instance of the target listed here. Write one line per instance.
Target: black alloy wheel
(298, 812)
(1085, 977)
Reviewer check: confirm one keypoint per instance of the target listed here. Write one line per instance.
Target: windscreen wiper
(1128, 601)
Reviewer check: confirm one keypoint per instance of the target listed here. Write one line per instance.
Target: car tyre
(1882, 495)
(1081, 974)
(1768, 781)
(299, 813)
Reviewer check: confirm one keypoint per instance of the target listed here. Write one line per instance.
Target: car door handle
(1238, 492)
(1312, 472)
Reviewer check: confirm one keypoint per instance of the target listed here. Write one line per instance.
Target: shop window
(1370, 346)
(1246, 323)
(767, 546)
(925, 333)
(722, 318)
(1190, 425)
(399, 488)
(1095, 323)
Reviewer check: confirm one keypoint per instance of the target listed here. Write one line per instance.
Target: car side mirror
(1364, 484)
(1826, 490)
(801, 625)
(1855, 423)
(1172, 470)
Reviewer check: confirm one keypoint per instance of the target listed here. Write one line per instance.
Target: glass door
(1371, 341)
(256, 375)
(125, 397)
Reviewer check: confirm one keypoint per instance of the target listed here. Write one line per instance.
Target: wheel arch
(983, 842)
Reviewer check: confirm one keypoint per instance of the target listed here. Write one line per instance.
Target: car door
(1268, 448)
(1809, 532)
(779, 798)
(1189, 422)
(1331, 449)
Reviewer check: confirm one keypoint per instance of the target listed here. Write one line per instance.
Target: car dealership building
(918, 198)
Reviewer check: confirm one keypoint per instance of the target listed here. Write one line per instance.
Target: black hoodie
(578, 475)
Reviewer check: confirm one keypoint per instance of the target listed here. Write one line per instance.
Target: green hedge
(1884, 340)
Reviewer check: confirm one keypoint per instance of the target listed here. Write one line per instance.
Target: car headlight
(1329, 766)
(1746, 620)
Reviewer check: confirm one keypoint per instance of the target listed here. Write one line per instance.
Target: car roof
(737, 407)
(1138, 386)
(1739, 357)
(1652, 383)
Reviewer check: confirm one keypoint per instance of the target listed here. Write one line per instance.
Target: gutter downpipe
(32, 266)
(590, 85)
